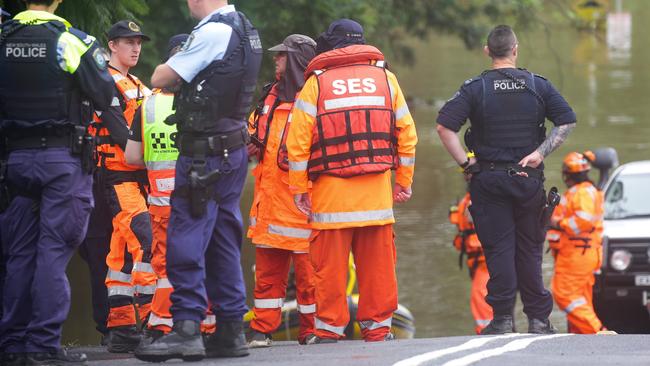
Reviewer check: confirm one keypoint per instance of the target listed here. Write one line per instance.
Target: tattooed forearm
(555, 139)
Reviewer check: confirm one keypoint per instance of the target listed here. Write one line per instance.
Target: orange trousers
(572, 287)
(481, 311)
(128, 276)
(373, 248)
(271, 273)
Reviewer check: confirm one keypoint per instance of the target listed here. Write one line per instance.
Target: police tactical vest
(219, 98)
(160, 151)
(512, 115)
(34, 90)
(355, 131)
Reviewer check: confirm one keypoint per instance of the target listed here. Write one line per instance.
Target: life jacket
(588, 225)
(512, 111)
(133, 92)
(219, 98)
(355, 131)
(160, 151)
(34, 90)
(466, 241)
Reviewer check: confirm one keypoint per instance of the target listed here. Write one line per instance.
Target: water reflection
(606, 87)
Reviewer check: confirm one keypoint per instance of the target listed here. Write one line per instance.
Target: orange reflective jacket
(355, 130)
(133, 91)
(466, 241)
(580, 218)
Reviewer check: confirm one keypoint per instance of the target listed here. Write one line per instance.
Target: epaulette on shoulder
(471, 80)
(87, 39)
(540, 76)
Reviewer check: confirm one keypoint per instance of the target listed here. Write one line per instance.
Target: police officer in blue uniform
(218, 67)
(51, 78)
(507, 108)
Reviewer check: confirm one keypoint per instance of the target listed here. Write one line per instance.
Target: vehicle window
(628, 197)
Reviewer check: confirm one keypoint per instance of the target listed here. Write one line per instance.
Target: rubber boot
(184, 342)
(227, 341)
(501, 324)
(537, 326)
(123, 339)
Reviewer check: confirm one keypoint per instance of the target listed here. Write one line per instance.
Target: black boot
(537, 326)
(501, 324)
(60, 357)
(227, 341)
(184, 341)
(149, 336)
(123, 339)
(12, 359)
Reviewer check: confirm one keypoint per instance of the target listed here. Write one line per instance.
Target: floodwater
(606, 84)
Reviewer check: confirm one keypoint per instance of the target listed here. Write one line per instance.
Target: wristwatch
(465, 164)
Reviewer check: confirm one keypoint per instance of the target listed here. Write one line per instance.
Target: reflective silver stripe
(131, 93)
(298, 165)
(120, 291)
(354, 216)
(319, 324)
(354, 102)
(307, 309)
(146, 91)
(164, 283)
(300, 252)
(402, 112)
(372, 325)
(553, 236)
(118, 276)
(161, 165)
(592, 192)
(306, 107)
(290, 118)
(380, 63)
(209, 320)
(117, 77)
(159, 201)
(318, 72)
(574, 304)
(392, 93)
(264, 246)
(482, 322)
(585, 215)
(142, 267)
(252, 221)
(574, 226)
(150, 110)
(145, 290)
(406, 161)
(156, 320)
(290, 232)
(268, 303)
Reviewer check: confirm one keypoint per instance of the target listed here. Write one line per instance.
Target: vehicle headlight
(620, 260)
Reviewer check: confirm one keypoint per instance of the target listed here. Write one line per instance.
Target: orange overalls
(280, 232)
(129, 274)
(466, 241)
(578, 254)
(350, 86)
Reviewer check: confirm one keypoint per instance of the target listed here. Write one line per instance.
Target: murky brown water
(608, 88)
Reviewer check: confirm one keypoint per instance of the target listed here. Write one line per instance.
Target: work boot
(537, 326)
(227, 341)
(61, 357)
(149, 335)
(260, 340)
(13, 359)
(123, 339)
(184, 341)
(318, 340)
(501, 324)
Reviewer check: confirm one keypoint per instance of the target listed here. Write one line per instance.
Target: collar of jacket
(344, 56)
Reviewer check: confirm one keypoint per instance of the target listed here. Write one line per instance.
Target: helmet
(576, 162)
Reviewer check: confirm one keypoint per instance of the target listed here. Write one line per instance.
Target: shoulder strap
(10, 27)
(524, 85)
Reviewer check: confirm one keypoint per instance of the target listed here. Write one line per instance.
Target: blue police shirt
(206, 44)
(467, 101)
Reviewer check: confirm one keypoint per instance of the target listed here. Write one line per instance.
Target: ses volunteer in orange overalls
(350, 126)
(278, 229)
(129, 272)
(466, 241)
(576, 240)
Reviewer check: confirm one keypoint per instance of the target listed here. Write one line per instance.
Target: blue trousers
(40, 232)
(506, 212)
(203, 254)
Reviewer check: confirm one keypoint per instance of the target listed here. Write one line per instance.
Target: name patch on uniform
(26, 51)
(509, 86)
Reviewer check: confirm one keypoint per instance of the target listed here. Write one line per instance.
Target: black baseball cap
(126, 28)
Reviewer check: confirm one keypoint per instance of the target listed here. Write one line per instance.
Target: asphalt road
(512, 349)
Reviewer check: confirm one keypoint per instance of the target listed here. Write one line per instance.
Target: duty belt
(38, 142)
(215, 145)
(512, 169)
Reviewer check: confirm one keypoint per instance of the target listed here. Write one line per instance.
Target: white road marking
(515, 345)
(474, 343)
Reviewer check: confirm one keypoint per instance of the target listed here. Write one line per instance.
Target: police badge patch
(134, 27)
(100, 56)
